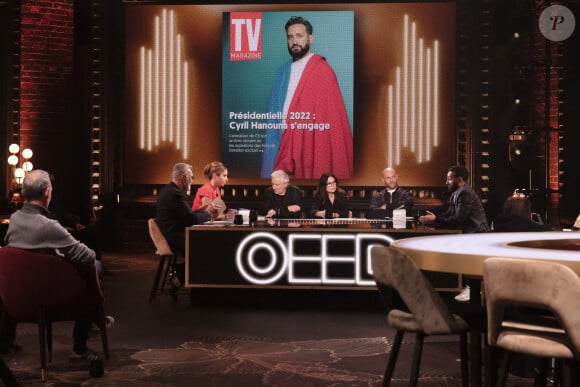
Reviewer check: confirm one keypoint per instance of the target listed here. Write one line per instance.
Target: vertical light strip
(405, 80)
(390, 147)
(398, 128)
(420, 104)
(178, 93)
(436, 93)
(164, 75)
(142, 98)
(413, 84)
(149, 81)
(156, 50)
(185, 109)
(171, 66)
(413, 121)
(427, 140)
(163, 88)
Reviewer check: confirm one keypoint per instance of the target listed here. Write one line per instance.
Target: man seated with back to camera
(392, 197)
(517, 217)
(32, 228)
(282, 200)
(174, 214)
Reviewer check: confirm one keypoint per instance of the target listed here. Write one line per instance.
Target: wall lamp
(19, 171)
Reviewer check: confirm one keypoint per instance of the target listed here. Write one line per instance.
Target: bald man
(392, 197)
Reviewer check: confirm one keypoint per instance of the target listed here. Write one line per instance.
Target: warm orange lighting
(163, 88)
(413, 99)
(12, 160)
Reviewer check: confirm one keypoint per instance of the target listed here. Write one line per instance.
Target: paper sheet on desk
(399, 218)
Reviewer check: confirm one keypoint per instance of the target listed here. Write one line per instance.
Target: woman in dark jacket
(330, 201)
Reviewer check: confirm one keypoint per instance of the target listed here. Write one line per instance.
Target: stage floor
(236, 338)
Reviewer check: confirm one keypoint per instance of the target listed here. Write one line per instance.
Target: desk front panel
(326, 258)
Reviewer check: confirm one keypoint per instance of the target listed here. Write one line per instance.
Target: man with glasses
(392, 197)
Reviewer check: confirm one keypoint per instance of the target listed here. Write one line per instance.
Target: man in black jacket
(517, 217)
(281, 199)
(465, 210)
(392, 197)
(174, 213)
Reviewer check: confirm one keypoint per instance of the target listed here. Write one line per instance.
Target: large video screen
(347, 88)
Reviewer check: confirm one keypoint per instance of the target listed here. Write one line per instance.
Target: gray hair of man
(281, 174)
(35, 184)
(180, 169)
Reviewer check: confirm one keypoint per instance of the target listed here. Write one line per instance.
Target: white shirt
(296, 70)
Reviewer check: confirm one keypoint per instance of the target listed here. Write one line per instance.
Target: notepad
(400, 218)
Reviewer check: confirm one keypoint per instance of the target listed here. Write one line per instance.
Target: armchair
(43, 288)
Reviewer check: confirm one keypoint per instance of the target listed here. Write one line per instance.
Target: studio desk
(294, 254)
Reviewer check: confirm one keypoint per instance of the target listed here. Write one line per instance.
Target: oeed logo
(262, 258)
(245, 36)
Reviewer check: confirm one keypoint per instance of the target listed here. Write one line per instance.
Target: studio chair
(167, 260)
(43, 289)
(427, 313)
(533, 308)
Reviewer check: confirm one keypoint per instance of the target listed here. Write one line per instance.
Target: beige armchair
(427, 313)
(551, 328)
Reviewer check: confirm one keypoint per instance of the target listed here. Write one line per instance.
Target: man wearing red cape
(317, 137)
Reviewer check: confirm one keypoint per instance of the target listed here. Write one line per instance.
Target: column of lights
(414, 99)
(18, 172)
(163, 96)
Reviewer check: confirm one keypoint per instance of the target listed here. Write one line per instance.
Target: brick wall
(46, 79)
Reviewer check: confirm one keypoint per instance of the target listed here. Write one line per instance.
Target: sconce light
(18, 172)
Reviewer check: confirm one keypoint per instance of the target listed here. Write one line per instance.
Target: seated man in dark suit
(517, 217)
(392, 197)
(174, 213)
(282, 200)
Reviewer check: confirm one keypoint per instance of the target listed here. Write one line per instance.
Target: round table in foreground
(465, 253)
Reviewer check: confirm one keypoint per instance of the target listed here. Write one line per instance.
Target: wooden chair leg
(49, 340)
(540, 379)
(464, 359)
(414, 379)
(491, 376)
(42, 343)
(166, 276)
(505, 369)
(157, 278)
(103, 330)
(393, 358)
(566, 373)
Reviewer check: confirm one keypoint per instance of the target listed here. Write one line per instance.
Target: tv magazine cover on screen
(287, 93)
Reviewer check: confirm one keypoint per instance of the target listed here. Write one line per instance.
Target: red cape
(307, 153)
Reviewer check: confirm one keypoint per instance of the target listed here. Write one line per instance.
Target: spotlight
(519, 148)
(516, 35)
(517, 101)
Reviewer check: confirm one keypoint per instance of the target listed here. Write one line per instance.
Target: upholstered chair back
(429, 312)
(158, 239)
(31, 280)
(536, 284)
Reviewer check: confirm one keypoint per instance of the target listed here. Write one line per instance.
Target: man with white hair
(32, 228)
